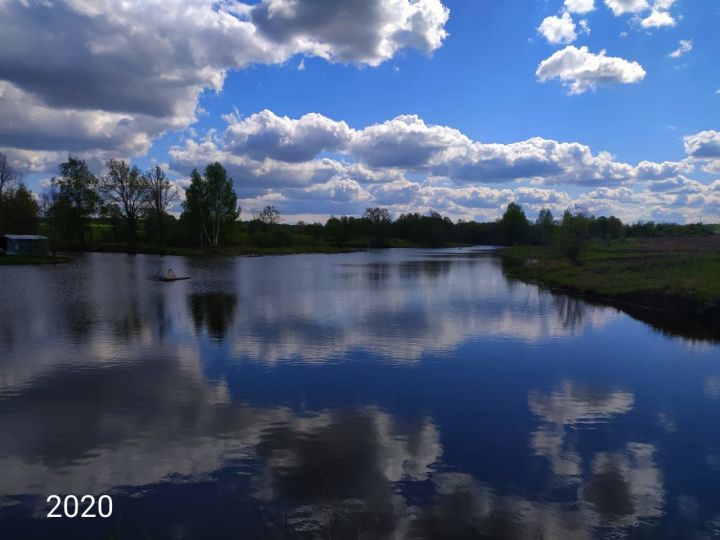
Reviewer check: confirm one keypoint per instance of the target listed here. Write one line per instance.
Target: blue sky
(481, 122)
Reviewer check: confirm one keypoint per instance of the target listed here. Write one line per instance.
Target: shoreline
(13, 260)
(21, 260)
(627, 275)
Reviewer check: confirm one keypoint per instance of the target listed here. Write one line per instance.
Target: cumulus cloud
(558, 30)
(684, 47)
(712, 167)
(117, 75)
(705, 144)
(579, 6)
(581, 70)
(620, 7)
(404, 141)
(265, 149)
(656, 16)
(678, 185)
(658, 19)
(368, 32)
(659, 15)
(314, 165)
(266, 135)
(649, 170)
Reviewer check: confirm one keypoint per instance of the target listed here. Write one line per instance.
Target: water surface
(388, 394)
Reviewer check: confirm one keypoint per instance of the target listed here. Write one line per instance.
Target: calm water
(391, 394)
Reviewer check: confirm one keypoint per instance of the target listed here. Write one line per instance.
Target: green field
(681, 276)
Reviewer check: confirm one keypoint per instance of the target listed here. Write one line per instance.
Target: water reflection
(625, 487)
(102, 306)
(213, 312)
(321, 471)
(330, 472)
(622, 487)
(398, 394)
(566, 409)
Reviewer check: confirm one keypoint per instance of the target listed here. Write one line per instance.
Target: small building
(26, 244)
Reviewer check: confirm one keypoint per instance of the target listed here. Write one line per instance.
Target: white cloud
(678, 185)
(580, 70)
(658, 19)
(620, 7)
(659, 13)
(405, 141)
(143, 65)
(579, 6)
(266, 135)
(266, 148)
(314, 165)
(648, 170)
(684, 47)
(712, 167)
(705, 144)
(558, 30)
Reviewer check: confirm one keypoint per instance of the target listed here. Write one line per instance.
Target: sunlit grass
(626, 268)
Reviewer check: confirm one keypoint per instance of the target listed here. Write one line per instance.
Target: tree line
(131, 208)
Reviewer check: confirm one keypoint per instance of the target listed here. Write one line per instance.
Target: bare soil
(687, 243)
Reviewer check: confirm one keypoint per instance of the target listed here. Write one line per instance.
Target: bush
(274, 238)
(573, 234)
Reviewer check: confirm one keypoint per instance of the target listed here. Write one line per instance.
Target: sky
(326, 107)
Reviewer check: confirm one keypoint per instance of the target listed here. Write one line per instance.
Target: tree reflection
(213, 312)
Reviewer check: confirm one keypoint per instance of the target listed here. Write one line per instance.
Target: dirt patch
(685, 243)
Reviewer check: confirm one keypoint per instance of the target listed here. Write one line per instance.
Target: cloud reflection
(396, 305)
(566, 408)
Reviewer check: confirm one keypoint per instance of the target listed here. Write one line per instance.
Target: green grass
(10, 260)
(627, 272)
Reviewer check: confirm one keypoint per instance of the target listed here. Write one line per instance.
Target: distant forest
(128, 210)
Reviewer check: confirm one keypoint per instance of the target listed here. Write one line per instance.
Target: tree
(22, 211)
(9, 180)
(270, 216)
(9, 177)
(379, 221)
(75, 198)
(124, 192)
(574, 233)
(545, 223)
(514, 224)
(210, 202)
(615, 227)
(162, 194)
(377, 216)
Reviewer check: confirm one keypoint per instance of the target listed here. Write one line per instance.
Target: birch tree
(211, 202)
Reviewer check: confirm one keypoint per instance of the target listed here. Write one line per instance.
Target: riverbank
(240, 251)
(258, 251)
(678, 276)
(11, 260)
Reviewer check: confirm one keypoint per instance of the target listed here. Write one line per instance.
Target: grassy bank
(11, 260)
(680, 277)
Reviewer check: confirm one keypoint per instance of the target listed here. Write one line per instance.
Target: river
(382, 394)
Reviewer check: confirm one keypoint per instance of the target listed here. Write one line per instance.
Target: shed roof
(25, 237)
